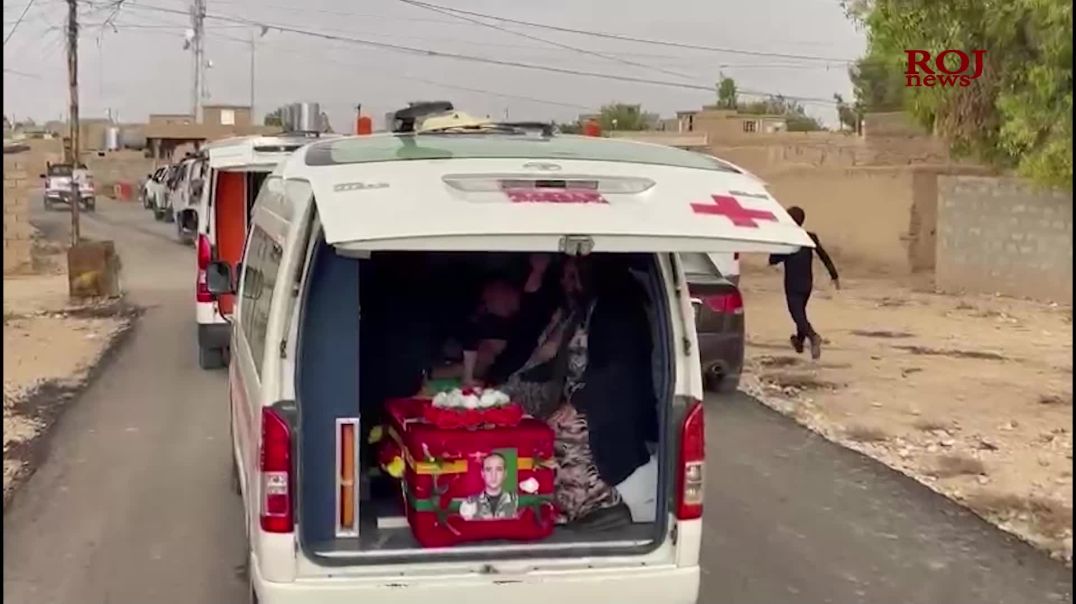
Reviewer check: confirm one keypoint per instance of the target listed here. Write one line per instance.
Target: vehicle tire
(711, 381)
(210, 358)
(90, 207)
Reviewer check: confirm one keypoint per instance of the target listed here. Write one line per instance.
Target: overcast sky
(140, 67)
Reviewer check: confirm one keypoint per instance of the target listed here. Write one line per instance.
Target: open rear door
(484, 204)
(230, 218)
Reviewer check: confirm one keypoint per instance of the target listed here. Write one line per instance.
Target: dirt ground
(49, 350)
(970, 395)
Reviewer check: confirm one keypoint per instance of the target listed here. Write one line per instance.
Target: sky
(134, 64)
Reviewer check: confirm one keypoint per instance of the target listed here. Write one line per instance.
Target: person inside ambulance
(506, 300)
(585, 369)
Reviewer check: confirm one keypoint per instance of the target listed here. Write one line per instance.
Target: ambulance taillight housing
(691, 464)
(204, 255)
(275, 470)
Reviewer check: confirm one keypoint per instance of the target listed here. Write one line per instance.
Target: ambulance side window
(262, 262)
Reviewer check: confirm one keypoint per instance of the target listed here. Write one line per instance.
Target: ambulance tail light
(692, 460)
(347, 463)
(275, 468)
(205, 255)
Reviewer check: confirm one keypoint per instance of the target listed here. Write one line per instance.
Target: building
(725, 124)
(171, 136)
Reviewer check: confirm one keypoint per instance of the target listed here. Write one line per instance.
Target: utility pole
(197, 46)
(73, 123)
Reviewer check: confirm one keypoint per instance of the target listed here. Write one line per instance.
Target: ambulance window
(262, 261)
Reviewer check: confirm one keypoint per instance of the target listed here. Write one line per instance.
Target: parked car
(187, 196)
(58, 189)
(162, 204)
(719, 321)
(153, 187)
(324, 219)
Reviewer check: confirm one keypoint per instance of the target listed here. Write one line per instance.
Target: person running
(799, 281)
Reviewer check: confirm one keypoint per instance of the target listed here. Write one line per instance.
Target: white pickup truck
(59, 190)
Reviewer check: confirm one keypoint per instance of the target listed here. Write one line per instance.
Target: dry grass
(1055, 399)
(928, 424)
(866, 434)
(951, 466)
(1050, 518)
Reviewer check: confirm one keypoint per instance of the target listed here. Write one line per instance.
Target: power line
(474, 59)
(625, 38)
(543, 40)
(18, 21)
(437, 83)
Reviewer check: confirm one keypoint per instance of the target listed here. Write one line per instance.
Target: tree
(796, 118)
(622, 116)
(570, 128)
(274, 118)
(1018, 114)
(726, 92)
(850, 116)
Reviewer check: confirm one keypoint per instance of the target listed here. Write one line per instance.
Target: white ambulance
(467, 196)
(235, 170)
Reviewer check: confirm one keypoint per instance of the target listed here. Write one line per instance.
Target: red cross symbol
(728, 206)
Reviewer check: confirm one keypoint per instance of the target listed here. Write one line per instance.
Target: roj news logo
(948, 68)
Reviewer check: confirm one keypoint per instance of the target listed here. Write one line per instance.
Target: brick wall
(1002, 235)
(17, 180)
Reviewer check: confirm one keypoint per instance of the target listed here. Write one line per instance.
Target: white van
(298, 373)
(235, 169)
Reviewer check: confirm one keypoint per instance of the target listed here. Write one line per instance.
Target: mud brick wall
(1003, 235)
(16, 212)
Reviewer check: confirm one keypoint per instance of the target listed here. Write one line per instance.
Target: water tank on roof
(112, 138)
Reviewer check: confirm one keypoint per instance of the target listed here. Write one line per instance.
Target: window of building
(750, 126)
(690, 123)
(227, 117)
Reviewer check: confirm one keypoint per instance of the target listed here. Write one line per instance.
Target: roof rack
(546, 128)
(404, 119)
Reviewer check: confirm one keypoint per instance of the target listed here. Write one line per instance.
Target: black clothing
(797, 307)
(799, 273)
(617, 395)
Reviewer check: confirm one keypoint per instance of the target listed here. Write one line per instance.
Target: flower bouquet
(473, 408)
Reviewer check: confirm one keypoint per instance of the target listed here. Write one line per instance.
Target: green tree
(1018, 114)
(850, 115)
(796, 118)
(274, 118)
(622, 116)
(726, 92)
(570, 128)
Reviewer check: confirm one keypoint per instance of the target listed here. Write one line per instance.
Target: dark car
(719, 321)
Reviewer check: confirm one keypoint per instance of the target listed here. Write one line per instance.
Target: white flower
(442, 399)
(487, 400)
(529, 486)
(470, 402)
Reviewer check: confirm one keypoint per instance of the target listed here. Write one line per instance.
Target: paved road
(134, 505)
